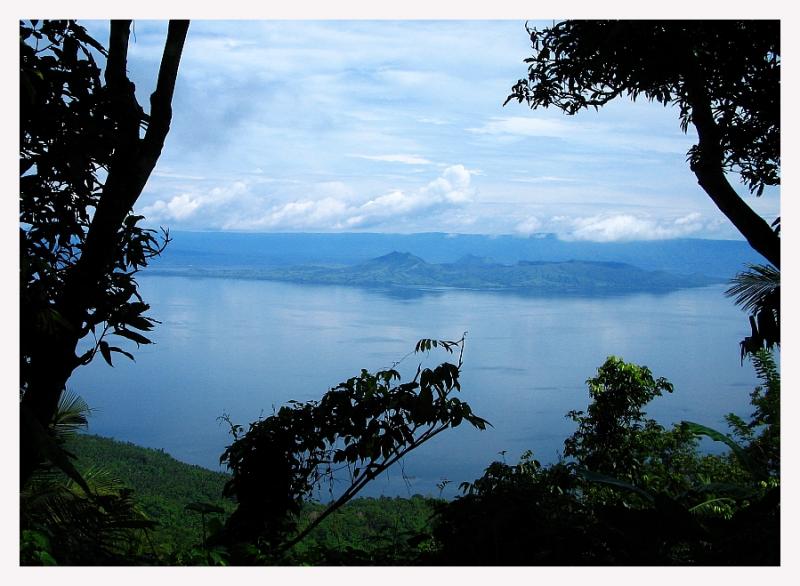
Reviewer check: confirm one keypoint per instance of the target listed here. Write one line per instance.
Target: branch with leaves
(358, 429)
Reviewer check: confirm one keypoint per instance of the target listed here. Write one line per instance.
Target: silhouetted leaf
(138, 338)
(105, 351)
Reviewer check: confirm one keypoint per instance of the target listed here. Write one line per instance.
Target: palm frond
(71, 415)
(755, 287)
(100, 480)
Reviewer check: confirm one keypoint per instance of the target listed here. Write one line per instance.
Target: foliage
(365, 530)
(634, 493)
(758, 291)
(672, 505)
(66, 147)
(724, 76)
(521, 514)
(87, 148)
(762, 433)
(84, 518)
(613, 437)
(357, 430)
(583, 64)
(162, 488)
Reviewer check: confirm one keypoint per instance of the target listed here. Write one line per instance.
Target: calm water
(241, 347)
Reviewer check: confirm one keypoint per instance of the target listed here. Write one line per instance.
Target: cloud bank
(616, 227)
(245, 205)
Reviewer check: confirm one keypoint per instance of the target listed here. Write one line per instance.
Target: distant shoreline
(422, 278)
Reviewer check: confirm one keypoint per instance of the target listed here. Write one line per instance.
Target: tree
(632, 492)
(723, 75)
(613, 437)
(87, 149)
(357, 430)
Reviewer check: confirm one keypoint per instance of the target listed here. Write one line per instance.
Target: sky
(399, 126)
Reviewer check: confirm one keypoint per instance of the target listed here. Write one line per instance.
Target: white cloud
(296, 215)
(619, 135)
(414, 78)
(170, 175)
(326, 206)
(528, 226)
(189, 206)
(544, 179)
(336, 125)
(524, 126)
(436, 121)
(451, 189)
(405, 159)
(179, 207)
(621, 227)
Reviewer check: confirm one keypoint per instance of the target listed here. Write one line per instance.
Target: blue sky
(398, 126)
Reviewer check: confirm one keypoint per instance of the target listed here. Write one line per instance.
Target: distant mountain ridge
(228, 250)
(403, 269)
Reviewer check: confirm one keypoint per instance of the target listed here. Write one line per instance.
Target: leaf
(47, 447)
(615, 482)
(121, 351)
(105, 352)
(46, 559)
(138, 338)
(140, 323)
(745, 460)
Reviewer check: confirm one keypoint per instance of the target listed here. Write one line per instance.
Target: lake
(242, 347)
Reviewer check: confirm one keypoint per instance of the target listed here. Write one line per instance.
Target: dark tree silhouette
(358, 429)
(723, 75)
(87, 148)
(758, 291)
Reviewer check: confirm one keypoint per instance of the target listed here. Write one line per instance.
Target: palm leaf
(741, 455)
(754, 287)
(614, 482)
(71, 415)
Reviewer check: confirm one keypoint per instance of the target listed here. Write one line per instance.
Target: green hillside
(162, 486)
(366, 529)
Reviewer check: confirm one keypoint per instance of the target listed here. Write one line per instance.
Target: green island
(405, 270)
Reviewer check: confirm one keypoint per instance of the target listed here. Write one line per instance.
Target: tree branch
(117, 61)
(356, 486)
(708, 168)
(161, 99)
